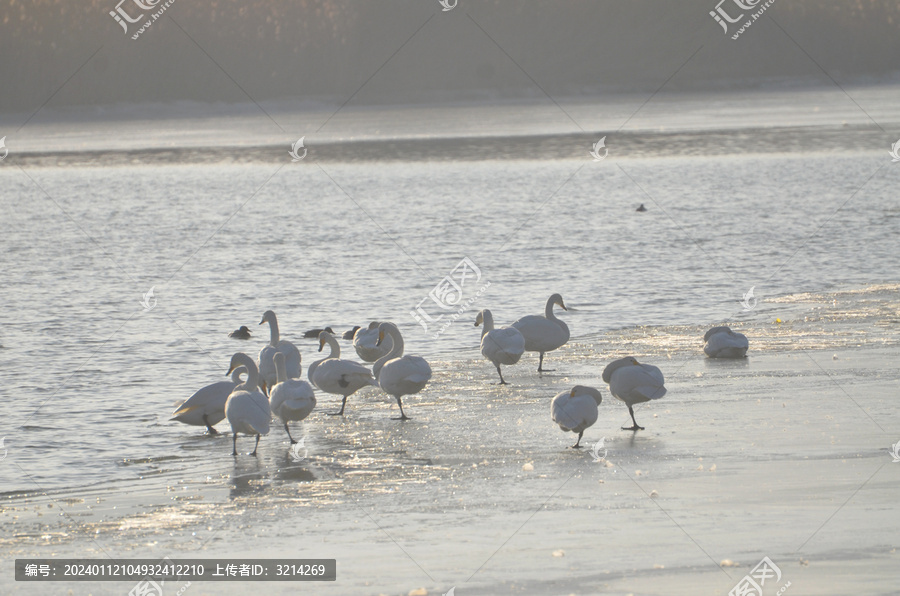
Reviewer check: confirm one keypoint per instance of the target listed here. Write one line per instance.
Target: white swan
(207, 406)
(501, 346)
(633, 383)
(544, 333)
(291, 399)
(400, 375)
(337, 376)
(246, 408)
(576, 410)
(266, 360)
(722, 342)
(365, 342)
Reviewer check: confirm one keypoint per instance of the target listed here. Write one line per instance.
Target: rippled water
(90, 377)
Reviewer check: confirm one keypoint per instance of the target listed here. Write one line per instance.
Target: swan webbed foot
(341, 413)
(543, 370)
(502, 382)
(635, 427)
(403, 417)
(209, 429)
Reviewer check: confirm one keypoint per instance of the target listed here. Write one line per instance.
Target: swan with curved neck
(365, 342)
(544, 333)
(400, 375)
(338, 376)
(266, 361)
(246, 408)
(291, 399)
(206, 407)
(501, 346)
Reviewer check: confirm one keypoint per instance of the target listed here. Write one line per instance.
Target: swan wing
(573, 413)
(208, 401)
(541, 334)
(503, 346)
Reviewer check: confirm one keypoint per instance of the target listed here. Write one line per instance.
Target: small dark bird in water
(351, 333)
(242, 333)
(314, 333)
(641, 208)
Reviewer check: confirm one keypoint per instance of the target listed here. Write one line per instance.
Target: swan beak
(572, 393)
(562, 305)
(321, 344)
(230, 369)
(263, 321)
(380, 338)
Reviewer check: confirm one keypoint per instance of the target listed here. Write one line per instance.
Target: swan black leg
(402, 415)
(255, 446)
(577, 444)
(541, 365)
(502, 382)
(288, 431)
(234, 444)
(635, 427)
(343, 405)
(209, 429)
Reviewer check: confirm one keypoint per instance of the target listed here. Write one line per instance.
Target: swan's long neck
(252, 382)
(396, 348)
(273, 330)
(334, 346)
(280, 372)
(548, 310)
(487, 322)
(236, 374)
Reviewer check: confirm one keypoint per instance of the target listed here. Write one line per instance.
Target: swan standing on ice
(337, 376)
(501, 346)
(365, 342)
(633, 383)
(544, 333)
(291, 399)
(207, 406)
(246, 408)
(267, 355)
(576, 410)
(722, 342)
(399, 375)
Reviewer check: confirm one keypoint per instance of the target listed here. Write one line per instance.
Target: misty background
(234, 52)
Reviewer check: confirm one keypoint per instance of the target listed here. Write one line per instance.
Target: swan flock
(273, 386)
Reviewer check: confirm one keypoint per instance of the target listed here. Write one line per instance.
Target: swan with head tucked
(399, 375)
(290, 399)
(337, 376)
(722, 342)
(207, 406)
(365, 342)
(501, 346)
(247, 409)
(266, 360)
(575, 410)
(544, 333)
(633, 383)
